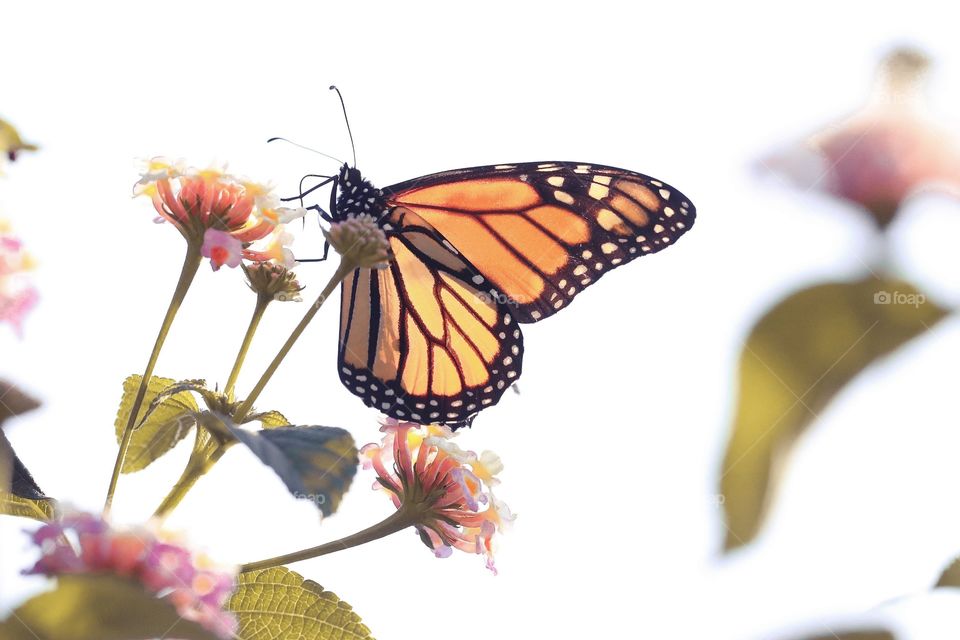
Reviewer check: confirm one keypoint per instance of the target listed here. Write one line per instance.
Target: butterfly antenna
(296, 144)
(333, 87)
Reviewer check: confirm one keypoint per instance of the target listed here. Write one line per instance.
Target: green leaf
(796, 359)
(98, 607)
(162, 424)
(278, 604)
(316, 463)
(19, 493)
(269, 419)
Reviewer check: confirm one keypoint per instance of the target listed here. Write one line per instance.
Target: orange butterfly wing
(419, 339)
(543, 232)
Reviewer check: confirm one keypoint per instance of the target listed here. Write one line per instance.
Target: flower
(221, 248)
(360, 240)
(274, 281)
(447, 489)
(83, 543)
(196, 201)
(17, 297)
(883, 154)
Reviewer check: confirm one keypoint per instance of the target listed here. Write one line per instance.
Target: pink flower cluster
(223, 212)
(448, 489)
(84, 543)
(16, 297)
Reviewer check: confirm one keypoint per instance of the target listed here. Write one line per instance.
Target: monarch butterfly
(435, 335)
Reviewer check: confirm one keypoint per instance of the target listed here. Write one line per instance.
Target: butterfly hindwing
(425, 338)
(542, 232)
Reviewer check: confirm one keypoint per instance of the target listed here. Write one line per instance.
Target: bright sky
(613, 447)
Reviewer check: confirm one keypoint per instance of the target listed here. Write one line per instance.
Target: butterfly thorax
(357, 196)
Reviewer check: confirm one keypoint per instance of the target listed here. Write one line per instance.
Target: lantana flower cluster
(221, 213)
(449, 490)
(17, 297)
(83, 543)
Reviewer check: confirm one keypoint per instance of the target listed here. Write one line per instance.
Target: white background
(612, 450)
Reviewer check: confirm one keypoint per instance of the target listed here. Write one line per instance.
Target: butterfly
(435, 335)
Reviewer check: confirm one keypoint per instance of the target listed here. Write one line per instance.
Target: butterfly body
(434, 336)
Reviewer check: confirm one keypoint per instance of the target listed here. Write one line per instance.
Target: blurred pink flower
(883, 154)
(85, 543)
(17, 297)
(448, 489)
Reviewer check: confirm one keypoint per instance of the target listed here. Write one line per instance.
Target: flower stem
(400, 520)
(206, 452)
(345, 268)
(191, 263)
(262, 302)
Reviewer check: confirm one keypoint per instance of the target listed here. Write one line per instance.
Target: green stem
(262, 302)
(400, 520)
(191, 263)
(206, 452)
(345, 268)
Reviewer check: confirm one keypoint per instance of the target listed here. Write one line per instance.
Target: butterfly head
(357, 195)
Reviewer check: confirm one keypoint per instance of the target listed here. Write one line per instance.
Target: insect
(435, 336)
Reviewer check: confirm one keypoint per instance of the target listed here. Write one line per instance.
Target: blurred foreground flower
(884, 153)
(10, 142)
(17, 297)
(86, 544)
(221, 212)
(446, 490)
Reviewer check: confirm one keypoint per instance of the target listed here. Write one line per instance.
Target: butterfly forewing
(425, 339)
(540, 233)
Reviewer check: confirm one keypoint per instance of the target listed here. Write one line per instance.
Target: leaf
(871, 634)
(165, 423)
(950, 576)
(279, 604)
(796, 359)
(19, 493)
(14, 402)
(98, 607)
(316, 463)
(269, 419)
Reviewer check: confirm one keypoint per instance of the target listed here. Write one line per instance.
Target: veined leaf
(316, 463)
(279, 604)
(98, 607)
(161, 425)
(19, 493)
(269, 419)
(796, 359)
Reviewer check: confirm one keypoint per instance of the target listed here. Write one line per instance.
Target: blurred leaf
(14, 402)
(316, 463)
(796, 359)
(10, 141)
(950, 576)
(872, 634)
(19, 493)
(278, 604)
(168, 420)
(269, 419)
(98, 607)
